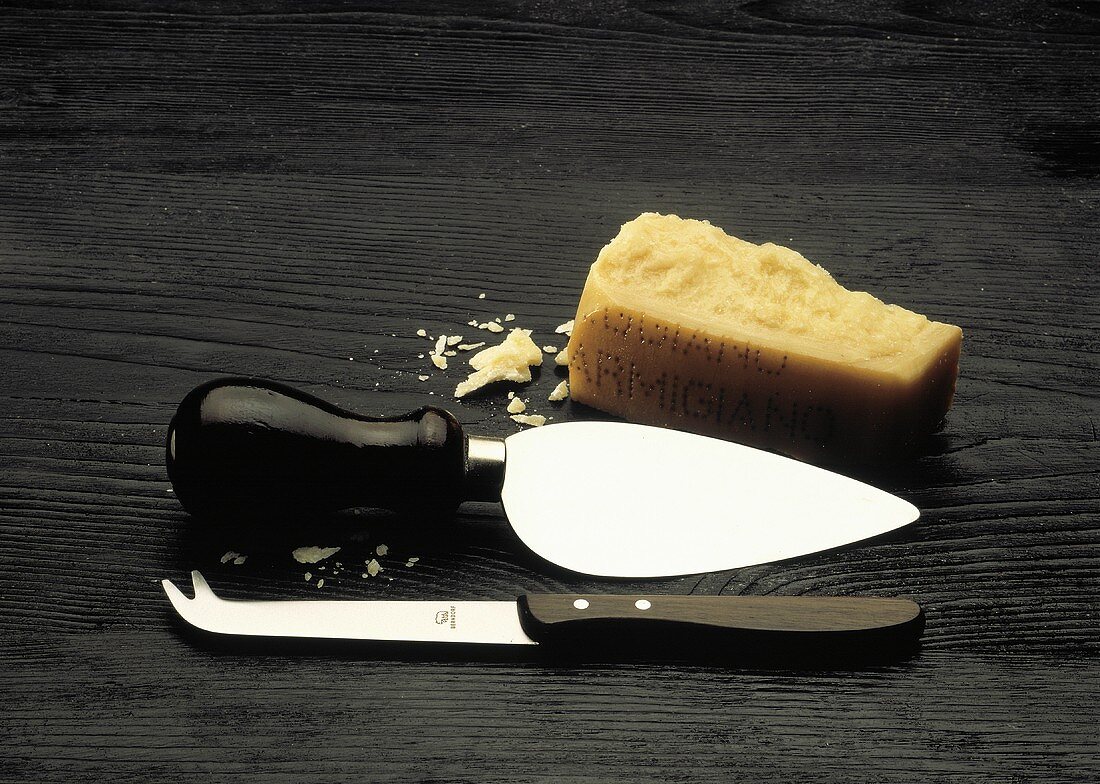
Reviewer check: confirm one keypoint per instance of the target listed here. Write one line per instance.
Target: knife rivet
(580, 604)
(643, 604)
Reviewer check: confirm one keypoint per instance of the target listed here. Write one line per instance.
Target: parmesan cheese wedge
(684, 326)
(512, 360)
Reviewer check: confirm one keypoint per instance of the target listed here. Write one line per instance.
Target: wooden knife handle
(753, 624)
(243, 448)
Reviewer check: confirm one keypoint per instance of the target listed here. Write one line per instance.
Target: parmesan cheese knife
(640, 624)
(629, 500)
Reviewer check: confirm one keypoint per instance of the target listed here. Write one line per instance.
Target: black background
(189, 190)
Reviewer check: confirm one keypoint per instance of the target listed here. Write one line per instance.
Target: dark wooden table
(292, 190)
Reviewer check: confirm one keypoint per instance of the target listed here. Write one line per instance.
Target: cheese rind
(684, 326)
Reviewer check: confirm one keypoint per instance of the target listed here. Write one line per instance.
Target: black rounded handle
(248, 449)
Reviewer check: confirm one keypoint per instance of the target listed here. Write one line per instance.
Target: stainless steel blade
(410, 621)
(623, 500)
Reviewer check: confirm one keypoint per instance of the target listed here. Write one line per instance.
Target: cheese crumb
(562, 358)
(561, 392)
(517, 406)
(472, 323)
(509, 316)
(422, 333)
(534, 420)
(440, 344)
(309, 576)
(481, 295)
(453, 340)
(439, 361)
(423, 378)
(381, 550)
(240, 559)
(550, 349)
(510, 361)
(229, 556)
(493, 326)
(566, 328)
(313, 554)
(373, 568)
(470, 346)
(321, 583)
(411, 561)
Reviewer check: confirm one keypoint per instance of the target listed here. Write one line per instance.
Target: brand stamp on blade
(446, 617)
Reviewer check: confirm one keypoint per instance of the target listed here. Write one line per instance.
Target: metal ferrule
(484, 468)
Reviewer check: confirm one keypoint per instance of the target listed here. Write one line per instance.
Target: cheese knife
(609, 499)
(643, 625)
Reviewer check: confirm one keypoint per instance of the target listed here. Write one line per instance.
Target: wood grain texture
(135, 706)
(779, 91)
(288, 191)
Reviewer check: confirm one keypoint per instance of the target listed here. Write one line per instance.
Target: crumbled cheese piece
(562, 358)
(509, 316)
(229, 556)
(439, 361)
(381, 550)
(411, 561)
(472, 323)
(321, 583)
(470, 346)
(423, 333)
(450, 353)
(561, 392)
(440, 344)
(534, 420)
(510, 361)
(240, 559)
(517, 406)
(313, 554)
(454, 340)
(511, 394)
(423, 378)
(309, 576)
(550, 349)
(493, 326)
(481, 295)
(373, 568)
(566, 328)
